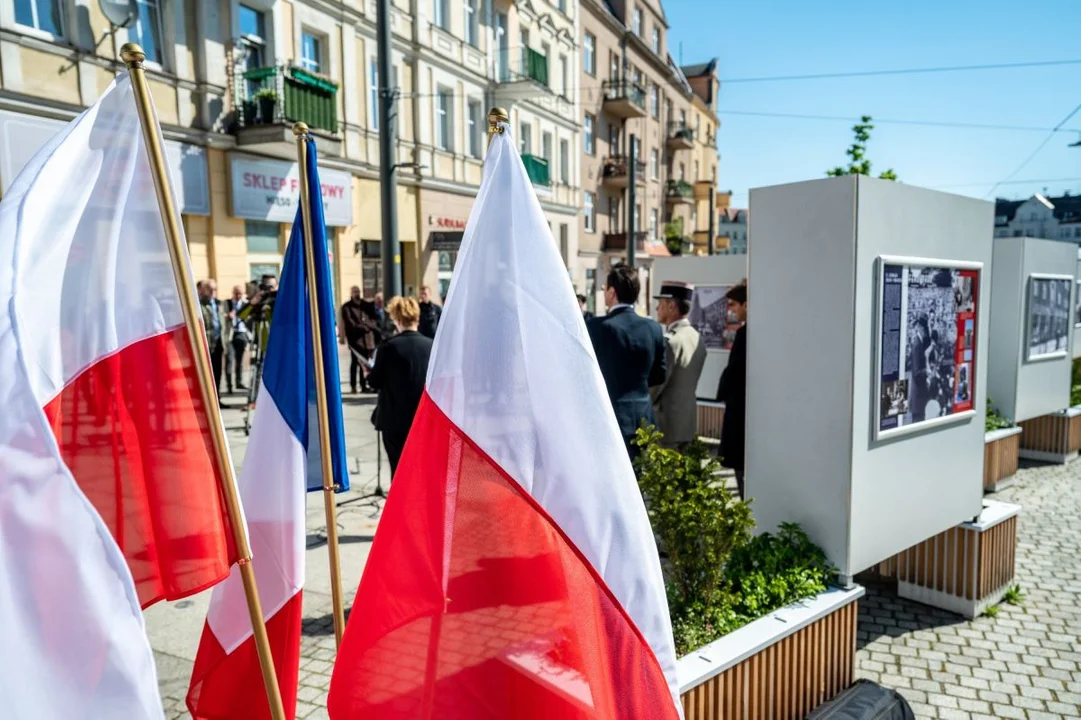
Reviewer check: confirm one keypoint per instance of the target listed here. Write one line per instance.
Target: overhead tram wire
(1035, 152)
(902, 71)
(891, 121)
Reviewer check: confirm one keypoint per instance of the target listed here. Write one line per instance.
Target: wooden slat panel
(1051, 433)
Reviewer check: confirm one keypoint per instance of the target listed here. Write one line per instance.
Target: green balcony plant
(267, 100)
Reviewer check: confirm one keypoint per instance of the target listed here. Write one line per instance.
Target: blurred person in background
(429, 313)
(732, 390)
(675, 401)
(398, 373)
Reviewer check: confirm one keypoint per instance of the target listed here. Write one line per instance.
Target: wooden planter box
(780, 667)
(1000, 453)
(964, 570)
(1052, 438)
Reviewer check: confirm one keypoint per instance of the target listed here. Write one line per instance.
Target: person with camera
(259, 310)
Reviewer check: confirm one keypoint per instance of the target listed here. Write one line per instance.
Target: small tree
(859, 164)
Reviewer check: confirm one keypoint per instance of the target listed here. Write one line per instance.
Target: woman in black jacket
(399, 372)
(732, 390)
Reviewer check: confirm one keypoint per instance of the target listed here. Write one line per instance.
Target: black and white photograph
(894, 402)
(931, 347)
(963, 297)
(962, 384)
(1048, 316)
(1077, 306)
(709, 316)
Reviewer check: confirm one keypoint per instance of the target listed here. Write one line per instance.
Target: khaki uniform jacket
(675, 403)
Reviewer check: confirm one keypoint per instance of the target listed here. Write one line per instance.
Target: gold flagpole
(133, 57)
(300, 131)
(495, 116)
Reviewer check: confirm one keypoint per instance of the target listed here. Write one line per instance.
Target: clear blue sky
(755, 38)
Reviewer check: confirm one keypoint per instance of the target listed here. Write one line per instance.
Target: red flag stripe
(132, 429)
(527, 628)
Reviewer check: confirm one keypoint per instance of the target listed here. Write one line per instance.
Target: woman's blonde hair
(404, 310)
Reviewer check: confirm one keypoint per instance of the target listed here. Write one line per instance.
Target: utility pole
(632, 178)
(712, 220)
(388, 127)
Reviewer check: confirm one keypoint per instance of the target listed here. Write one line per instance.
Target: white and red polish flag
(514, 572)
(105, 455)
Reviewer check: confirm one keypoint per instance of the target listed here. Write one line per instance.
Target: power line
(875, 120)
(1036, 151)
(902, 71)
(1012, 182)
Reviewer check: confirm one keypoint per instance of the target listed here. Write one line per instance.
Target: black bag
(865, 700)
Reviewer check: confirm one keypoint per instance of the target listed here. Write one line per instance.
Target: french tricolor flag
(282, 462)
(514, 573)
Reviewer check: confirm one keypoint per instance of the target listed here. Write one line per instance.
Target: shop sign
(270, 190)
(446, 223)
(446, 241)
(21, 136)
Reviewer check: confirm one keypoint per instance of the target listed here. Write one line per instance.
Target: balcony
(616, 174)
(679, 192)
(680, 137)
(270, 99)
(617, 242)
(624, 99)
(537, 169)
(526, 80)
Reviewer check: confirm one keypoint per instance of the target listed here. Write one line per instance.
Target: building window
(474, 116)
(654, 101)
(562, 5)
(564, 77)
(613, 138)
(683, 118)
(523, 43)
(471, 23)
(654, 164)
(613, 66)
(590, 212)
(441, 13)
(564, 242)
(262, 237)
(696, 171)
(444, 119)
(525, 138)
(587, 136)
(373, 93)
(653, 224)
(1077, 232)
(564, 162)
(613, 214)
(682, 172)
(311, 52)
(656, 40)
(546, 146)
(44, 15)
(638, 22)
(252, 36)
(147, 29)
(589, 54)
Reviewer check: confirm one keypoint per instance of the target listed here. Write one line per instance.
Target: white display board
(818, 452)
(711, 275)
(1033, 310)
(1077, 307)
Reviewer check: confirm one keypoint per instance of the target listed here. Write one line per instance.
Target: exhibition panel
(895, 380)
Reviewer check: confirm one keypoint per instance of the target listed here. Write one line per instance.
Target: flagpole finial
(132, 54)
(300, 129)
(495, 116)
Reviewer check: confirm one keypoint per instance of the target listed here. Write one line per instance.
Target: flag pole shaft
(300, 130)
(133, 57)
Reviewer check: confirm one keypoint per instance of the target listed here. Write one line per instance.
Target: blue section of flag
(288, 369)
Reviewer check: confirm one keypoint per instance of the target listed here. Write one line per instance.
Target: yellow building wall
(228, 240)
(48, 75)
(197, 231)
(289, 50)
(164, 102)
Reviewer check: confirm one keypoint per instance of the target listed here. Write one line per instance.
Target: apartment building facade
(229, 77)
(630, 86)
(1057, 218)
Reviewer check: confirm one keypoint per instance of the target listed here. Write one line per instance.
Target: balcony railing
(680, 136)
(617, 242)
(531, 65)
(298, 96)
(537, 169)
(679, 190)
(616, 172)
(624, 98)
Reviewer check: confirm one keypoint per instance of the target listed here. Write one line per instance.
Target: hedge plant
(718, 577)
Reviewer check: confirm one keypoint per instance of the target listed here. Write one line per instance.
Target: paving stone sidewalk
(1023, 663)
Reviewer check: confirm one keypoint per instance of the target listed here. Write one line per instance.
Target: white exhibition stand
(714, 274)
(819, 451)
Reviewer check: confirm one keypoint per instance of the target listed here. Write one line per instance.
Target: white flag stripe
(508, 381)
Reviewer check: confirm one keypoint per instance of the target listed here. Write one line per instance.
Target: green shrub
(265, 94)
(1075, 383)
(994, 421)
(719, 578)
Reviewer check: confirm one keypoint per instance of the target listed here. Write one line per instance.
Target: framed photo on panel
(1077, 305)
(925, 357)
(1049, 309)
(710, 317)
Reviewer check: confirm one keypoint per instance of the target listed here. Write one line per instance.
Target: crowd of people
(651, 368)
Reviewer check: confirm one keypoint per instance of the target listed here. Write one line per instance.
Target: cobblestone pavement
(1023, 663)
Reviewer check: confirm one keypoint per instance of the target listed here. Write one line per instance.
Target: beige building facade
(229, 77)
(631, 86)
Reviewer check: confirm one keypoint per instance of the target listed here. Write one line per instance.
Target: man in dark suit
(630, 352)
(732, 391)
